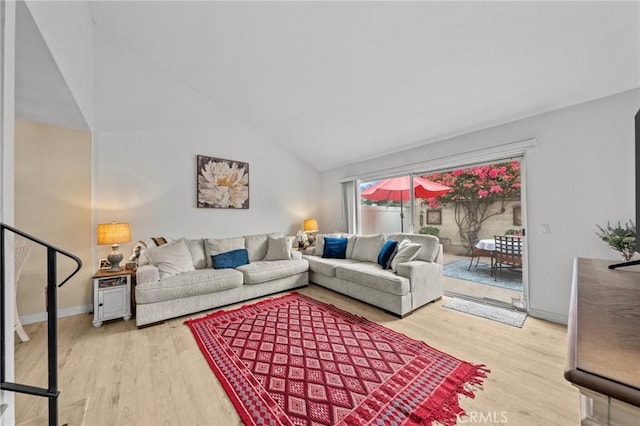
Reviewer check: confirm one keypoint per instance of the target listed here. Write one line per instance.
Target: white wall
(7, 109)
(144, 159)
(66, 27)
(581, 174)
(149, 180)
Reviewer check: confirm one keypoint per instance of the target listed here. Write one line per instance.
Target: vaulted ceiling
(337, 82)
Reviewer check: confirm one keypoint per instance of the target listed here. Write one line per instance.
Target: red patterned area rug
(295, 361)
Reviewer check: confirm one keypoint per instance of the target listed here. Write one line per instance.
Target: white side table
(111, 296)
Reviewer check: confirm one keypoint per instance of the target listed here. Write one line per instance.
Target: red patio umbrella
(397, 189)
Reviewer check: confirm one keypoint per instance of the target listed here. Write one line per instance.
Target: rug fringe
(449, 411)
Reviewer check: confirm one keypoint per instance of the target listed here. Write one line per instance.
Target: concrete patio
(475, 290)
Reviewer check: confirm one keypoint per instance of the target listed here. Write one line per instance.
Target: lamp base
(114, 259)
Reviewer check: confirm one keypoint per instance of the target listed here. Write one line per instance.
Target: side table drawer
(112, 282)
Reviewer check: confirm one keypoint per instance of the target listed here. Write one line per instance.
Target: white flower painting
(222, 184)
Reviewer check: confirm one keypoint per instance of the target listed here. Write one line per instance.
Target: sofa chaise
(413, 279)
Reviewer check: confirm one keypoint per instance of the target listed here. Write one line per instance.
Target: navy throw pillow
(230, 259)
(386, 253)
(335, 248)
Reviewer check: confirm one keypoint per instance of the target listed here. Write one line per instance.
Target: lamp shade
(310, 225)
(113, 233)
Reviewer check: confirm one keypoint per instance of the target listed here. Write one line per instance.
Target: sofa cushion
(230, 259)
(430, 244)
(220, 245)
(194, 283)
(367, 247)
(371, 275)
(334, 248)
(257, 245)
(269, 270)
(406, 252)
(387, 251)
(196, 249)
(171, 259)
(351, 242)
(279, 248)
(326, 266)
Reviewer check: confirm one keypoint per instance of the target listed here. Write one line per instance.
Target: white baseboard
(64, 312)
(548, 316)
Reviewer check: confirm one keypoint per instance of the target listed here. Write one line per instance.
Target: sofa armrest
(440, 256)
(416, 270)
(425, 280)
(147, 274)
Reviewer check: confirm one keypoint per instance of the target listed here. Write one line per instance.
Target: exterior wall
(386, 219)
(451, 240)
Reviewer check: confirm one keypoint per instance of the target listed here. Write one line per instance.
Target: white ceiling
(338, 82)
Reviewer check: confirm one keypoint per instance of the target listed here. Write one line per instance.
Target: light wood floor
(119, 375)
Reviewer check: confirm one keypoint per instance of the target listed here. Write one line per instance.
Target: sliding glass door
(484, 205)
(467, 208)
(385, 205)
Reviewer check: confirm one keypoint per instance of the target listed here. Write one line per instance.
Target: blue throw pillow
(230, 259)
(335, 248)
(386, 253)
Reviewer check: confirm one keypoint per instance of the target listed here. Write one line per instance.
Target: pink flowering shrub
(475, 189)
(493, 181)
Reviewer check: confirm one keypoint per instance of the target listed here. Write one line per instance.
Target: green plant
(513, 232)
(429, 230)
(622, 239)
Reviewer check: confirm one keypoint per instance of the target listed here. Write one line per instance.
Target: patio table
(489, 244)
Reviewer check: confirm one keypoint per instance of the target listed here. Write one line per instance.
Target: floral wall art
(222, 184)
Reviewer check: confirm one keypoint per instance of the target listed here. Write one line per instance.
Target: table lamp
(310, 226)
(114, 234)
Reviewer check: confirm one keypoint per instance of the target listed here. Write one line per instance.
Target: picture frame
(221, 183)
(103, 264)
(517, 216)
(434, 217)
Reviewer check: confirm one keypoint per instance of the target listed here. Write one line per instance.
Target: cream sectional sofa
(177, 278)
(414, 283)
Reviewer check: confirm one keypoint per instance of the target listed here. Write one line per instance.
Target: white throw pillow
(406, 252)
(171, 259)
(430, 244)
(279, 248)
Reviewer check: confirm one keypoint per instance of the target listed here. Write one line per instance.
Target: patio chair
(479, 252)
(508, 252)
